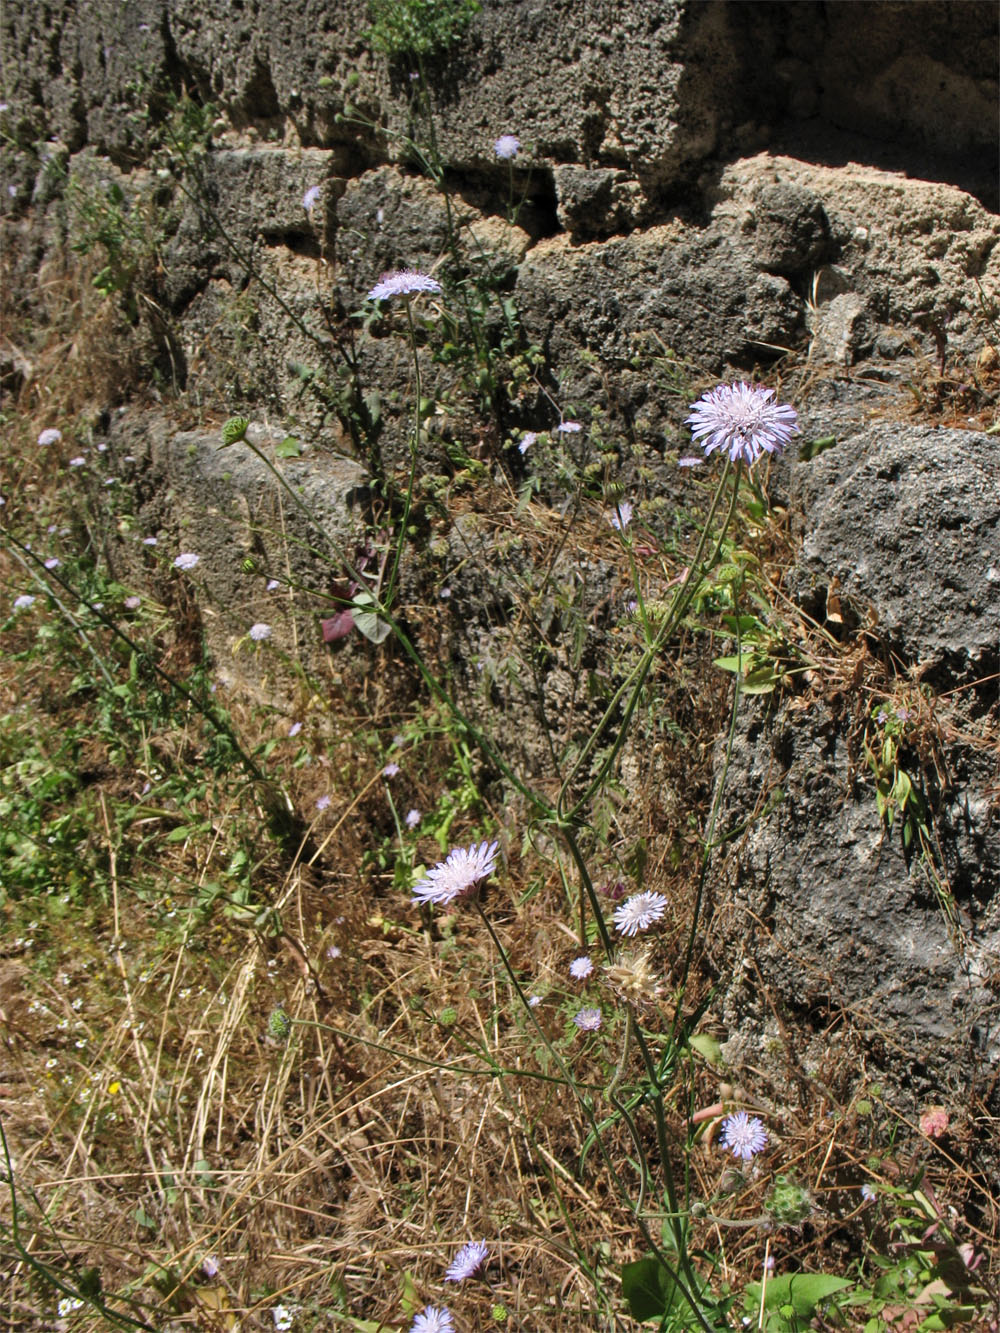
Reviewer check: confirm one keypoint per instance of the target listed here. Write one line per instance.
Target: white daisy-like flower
(470, 1259)
(581, 968)
(639, 912)
(457, 875)
(403, 282)
(433, 1319)
(744, 420)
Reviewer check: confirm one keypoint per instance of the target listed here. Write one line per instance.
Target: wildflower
(79, 461)
(588, 1020)
(23, 602)
(433, 1319)
(333, 951)
(456, 876)
(742, 419)
(534, 1001)
(568, 428)
(633, 978)
(881, 716)
(868, 1192)
(283, 1318)
(311, 198)
(527, 440)
(903, 714)
(67, 1305)
(50, 436)
(402, 282)
(279, 1025)
(260, 632)
(186, 560)
(743, 1135)
(272, 585)
(581, 968)
(621, 516)
(413, 818)
(53, 562)
(470, 1259)
(690, 462)
(934, 1122)
(507, 146)
(390, 770)
(639, 912)
(323, 803)
(133, 603)
(149, 541)
(210, 1266)
(295, 728)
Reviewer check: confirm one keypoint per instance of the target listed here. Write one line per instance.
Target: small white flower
(311, 198)
(260, 632)
(456, 876)
(23, 602)
(413, 818)
(50, 436)
(639, 912)
(621, 516)
(527, 440)
(79, 461)
(507, 146)
(323, 803)
(186, 560)
(283, 1318)
(581, 968)
(569, 427)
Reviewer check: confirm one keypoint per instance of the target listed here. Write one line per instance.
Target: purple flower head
(581, 968)
(53, 562)
(50, 436)
(507, 146)
(272, 585)
(904, 714)
(588, 1020)
(527, 440)
(413, 818)
(744, 420)
(323, 803)
(186, 560)
(311, 197)
(456, 876)
(868, 1192)
(690, 462)
(295, 728)
(639, 912)
(403, 282)
(149, 541)
(433, 1319)
(534, 1001)
(470, 1259)
(568, 428)
(23, 602)
(390, 770)
(210, 1266)
(79, 461)
(744, 1135)
(132, 603)
(260, 632)
(621, 516)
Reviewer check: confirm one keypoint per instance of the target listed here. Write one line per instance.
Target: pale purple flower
(333, 951)
(527, 440)
(569, 428)
(743, 1135)
(458, 875)
(102, 448)
(53, 562)
(295, 728)
(534, 1001)
(639, 912)
(23, 602)
(881, 715)
(868, 1192)
(588, 1020)
(580, 968)
(111, 481)
(690, 462)
(133, 603)
(402, 282)
(149, 541)
(311, 197)
(50, 436)
(444, 594)
(413, 818)
(79, 461)
(433, 1319)
(621, 516)
(390, 770)
(259, 632)
(210, 1266)
(272, 584)
(470, 1259)
(323, 803)
(186, 560)
(507, 146)
(903, 714)
(742, 419)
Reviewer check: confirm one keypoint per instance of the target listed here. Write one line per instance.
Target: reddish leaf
(338, 626)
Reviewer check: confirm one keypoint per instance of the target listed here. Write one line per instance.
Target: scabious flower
(507, 146)
(149, 541)
(527, 440)
(132, 603)
(260, 632)
(588, 1020)
(311, 198)
(50, 436)
(568, 428)
(53, 562)
(323, 803)
(210, 1266)
(581, 968)
(621, 516)
(402, 282)
(413, 818)
(390, 770)
(23, 602)
(690, 461)
(272, 585)
(433, 1319)
(868, 1192)
(639, 912)
(534, 1001)
(79, 461)
(186, 560)
(456, 876)
(743, 1135)
(295, 728)
(470, 1259)
(744, 420)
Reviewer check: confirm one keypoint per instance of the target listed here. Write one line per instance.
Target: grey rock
(792, 232)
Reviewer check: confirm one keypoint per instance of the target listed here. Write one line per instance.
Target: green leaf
(731, 663)
(648, 1288)
(288, 448)
(369, 623)
(800, 1293)
(707, 1047)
